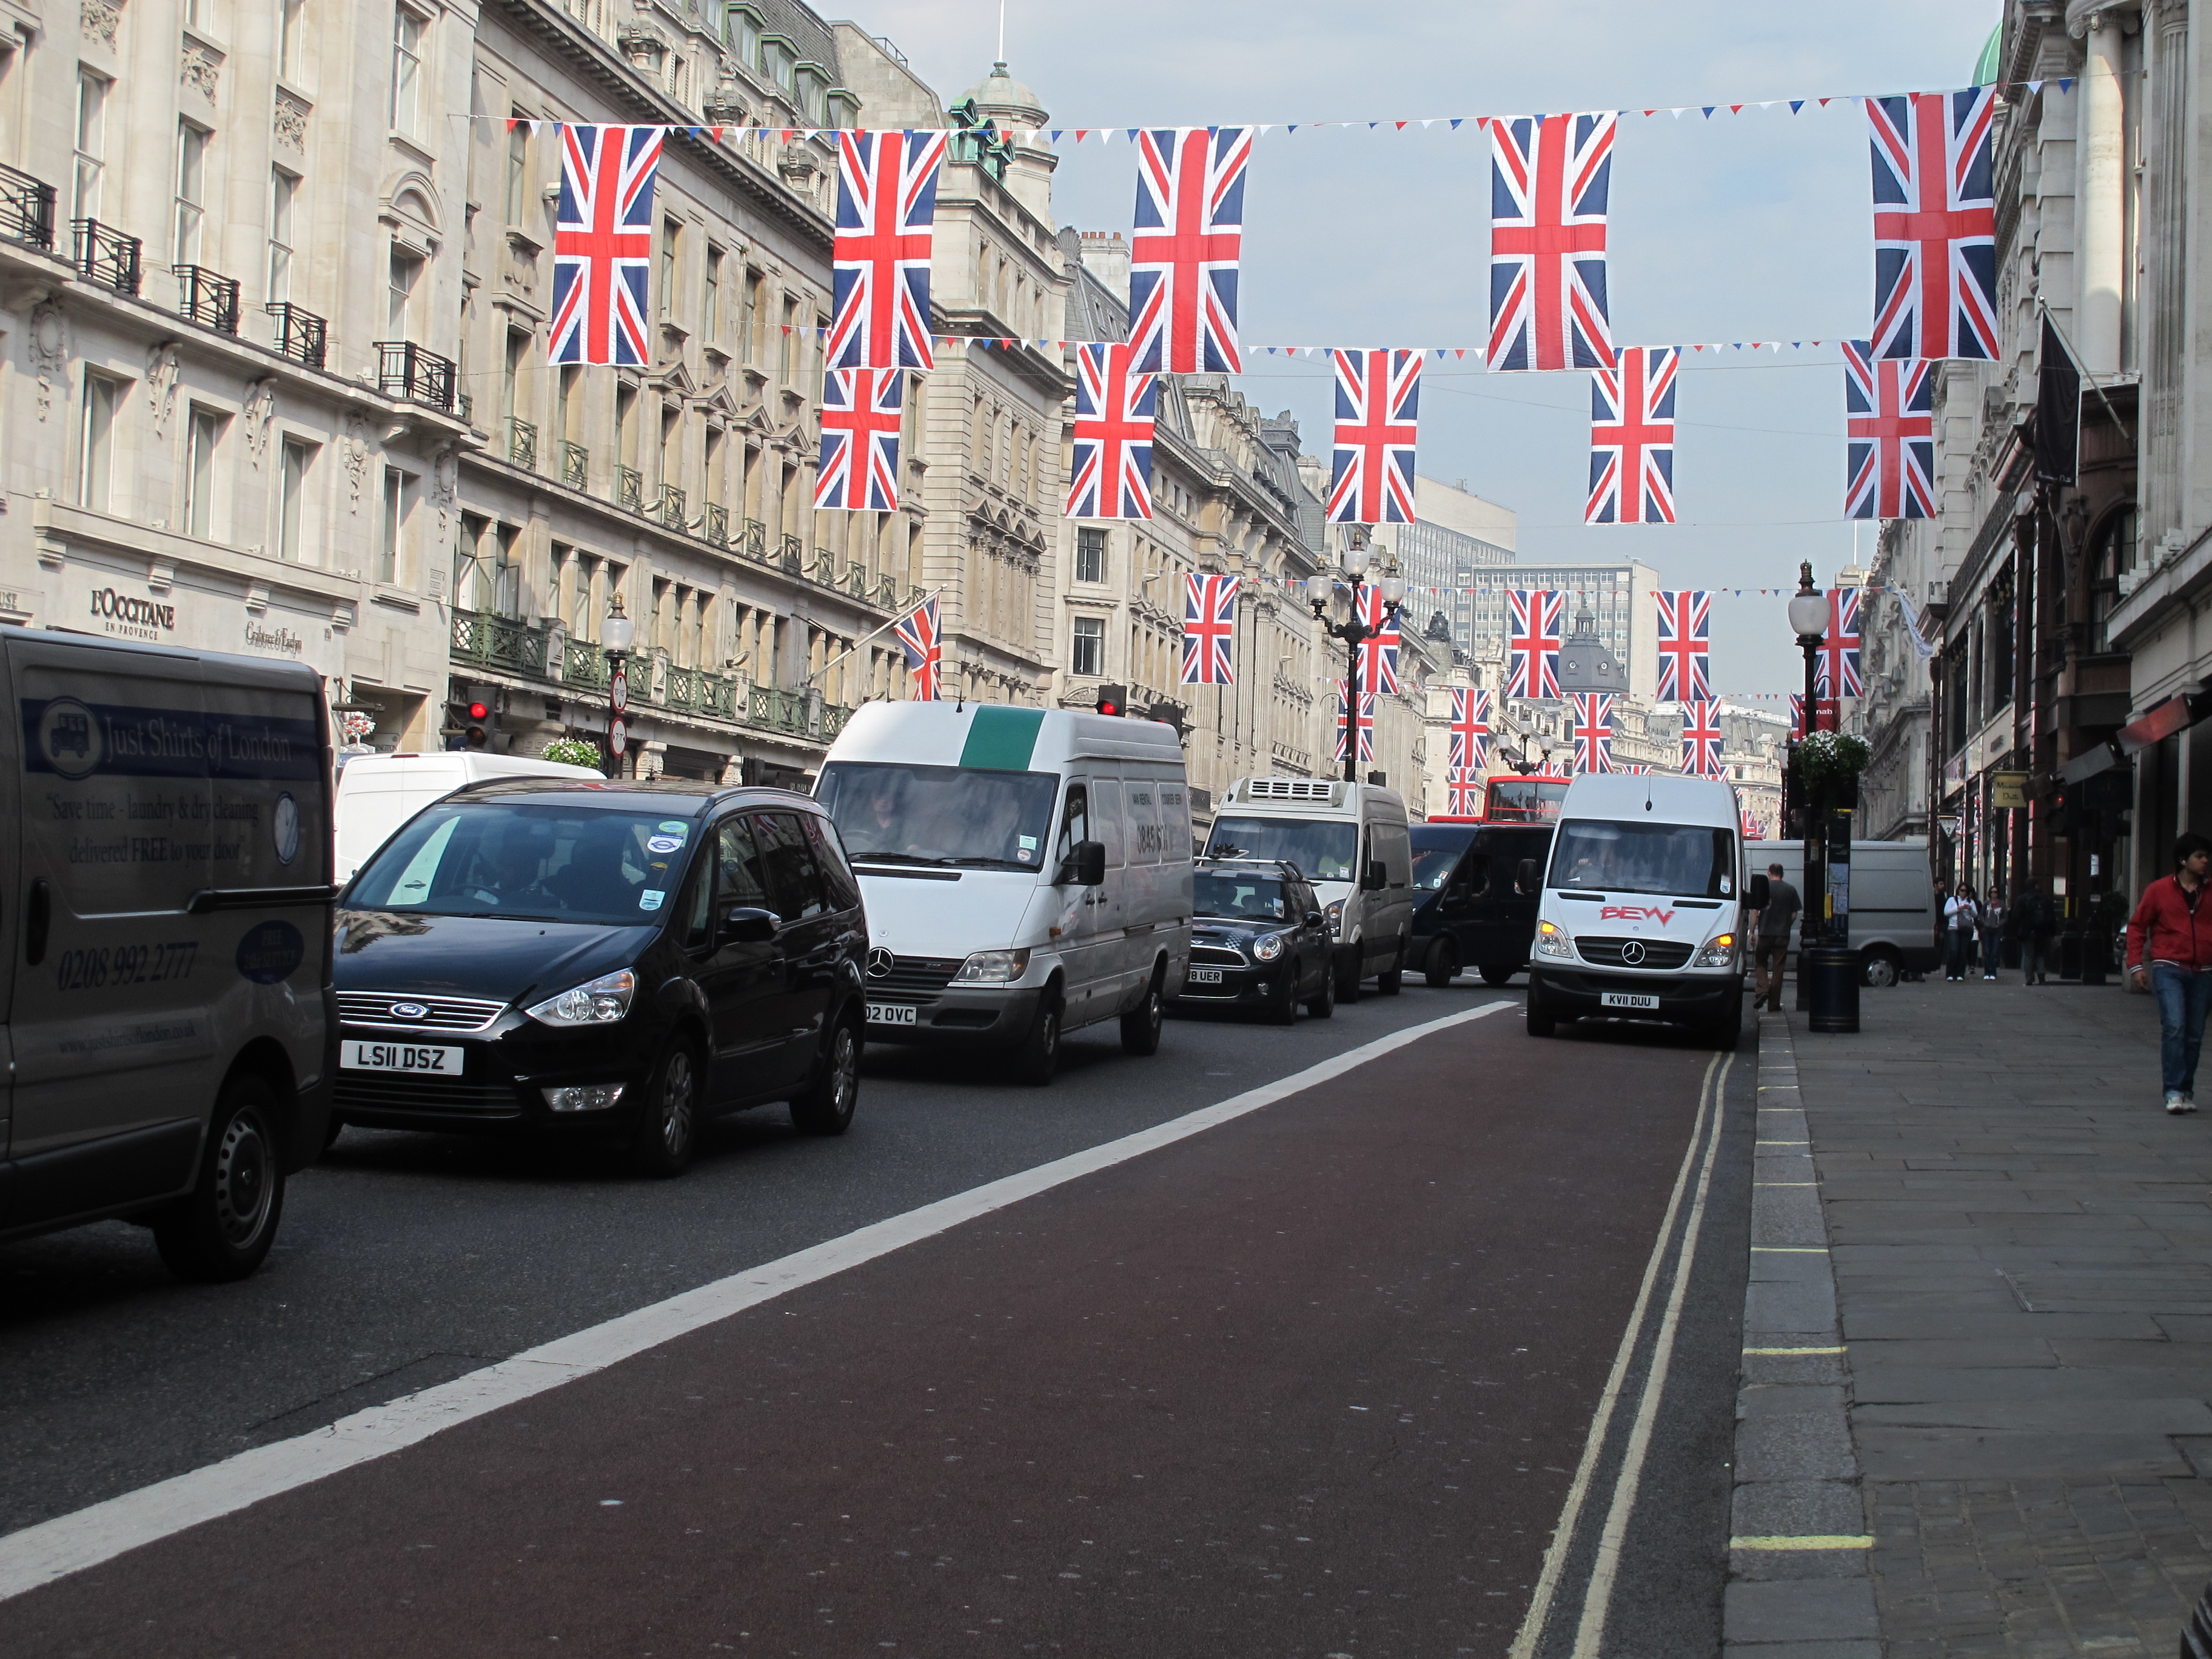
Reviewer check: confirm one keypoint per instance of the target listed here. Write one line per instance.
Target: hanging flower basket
(573, 751)
(1829, 763)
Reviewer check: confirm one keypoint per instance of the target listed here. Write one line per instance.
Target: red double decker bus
(1515, 800)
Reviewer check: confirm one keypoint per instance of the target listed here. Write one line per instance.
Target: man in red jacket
(2170, 952)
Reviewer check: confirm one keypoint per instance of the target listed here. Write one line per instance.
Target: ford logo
(408, 1011)
(1632, 953)
(880, 963)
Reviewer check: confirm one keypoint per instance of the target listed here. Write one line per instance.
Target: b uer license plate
(891, 1013)
(1631, 1000)
(400, 1057)
(1206, 976)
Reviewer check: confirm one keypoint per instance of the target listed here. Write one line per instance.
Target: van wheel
(1038, 1057)
(667, 1132)
(1541, 1022)
(826, 1108)
(1322, 1004)
(1497, 973)
(1392, 979)
(1879, 970)
(1728, 1028)
(1443, 963)
(1140, 1026)
(222, 1229)
(1348, 982)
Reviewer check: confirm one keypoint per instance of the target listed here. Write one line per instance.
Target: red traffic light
(1111, 700)
(478, 711)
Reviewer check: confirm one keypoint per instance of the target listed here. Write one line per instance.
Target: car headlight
(601, 1002)
(1269, 947)
(993, 968)
(1551, 940)
(1336, 915)
(1719, 951)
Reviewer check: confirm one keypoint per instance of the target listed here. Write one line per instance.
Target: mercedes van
(1351, 840)
(1641, 916)
(1027, 873)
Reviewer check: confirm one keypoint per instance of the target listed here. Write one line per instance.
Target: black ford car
(532, 954)
(1258, 939)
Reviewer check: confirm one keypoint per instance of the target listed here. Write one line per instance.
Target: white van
(1642, 912)
(1892, 902)
(1352, 841)
(377, 793)
(1026, 871)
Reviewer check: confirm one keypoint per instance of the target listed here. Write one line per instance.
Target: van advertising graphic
(270, 952)
(76, 739)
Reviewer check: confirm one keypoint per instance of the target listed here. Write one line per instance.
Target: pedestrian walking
(1992, 930)
(1773, 936)
(2170, 954)
(1958, 919)
(2032, 926)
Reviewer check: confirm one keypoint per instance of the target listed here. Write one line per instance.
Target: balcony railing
(694, 691)
(404, 370)
(502, 642)
(856, 580)
(718, 524)
(575, 465)
(300, 334)
(794, 556)
(887, 592)
(207, 298)
(754, 546)
(105, 255)
(630, 489)
(583, 663)
(522, 444)
(27, 210)
(776, 708)
(670, 507)
(824, 570)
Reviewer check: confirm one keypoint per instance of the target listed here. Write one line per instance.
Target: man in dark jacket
(2170, 953)
(2032, 928)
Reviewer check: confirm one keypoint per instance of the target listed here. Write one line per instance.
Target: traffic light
(479, 712)
(1113, 700)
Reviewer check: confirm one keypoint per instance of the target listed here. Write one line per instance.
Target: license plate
(892, 1013)
(1631, 999)
(400, 1057)
(1206, 976)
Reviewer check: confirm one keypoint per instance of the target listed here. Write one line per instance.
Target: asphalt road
(1315, 1381)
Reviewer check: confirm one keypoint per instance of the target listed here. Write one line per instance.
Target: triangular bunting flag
(1455, 120)
(2066, 83)
(1796, 104)
(1708, 110)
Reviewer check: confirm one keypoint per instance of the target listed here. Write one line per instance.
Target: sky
(1749, 226)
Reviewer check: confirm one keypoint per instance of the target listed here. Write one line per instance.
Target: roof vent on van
(1288, 789)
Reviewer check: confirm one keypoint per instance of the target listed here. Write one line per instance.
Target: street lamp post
(1828, 987)
(617, 634)
(1321, 588)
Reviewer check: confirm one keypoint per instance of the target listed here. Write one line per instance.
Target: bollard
(1832, 975)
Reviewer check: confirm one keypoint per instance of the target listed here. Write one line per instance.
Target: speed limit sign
(618, 736)
(618, 691)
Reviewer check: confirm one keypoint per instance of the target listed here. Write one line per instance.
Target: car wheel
(1140, 1026)
(826, 1108)
(1322, 1004)
(1443, 962)
(222, 1229)
(1038, 1057)
(1541, 1023)
(667, 1133)
(1879, 970)
(332, 1131)
(1284, 1010)
(1498, 973)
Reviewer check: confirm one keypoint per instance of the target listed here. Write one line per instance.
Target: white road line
(69, 1543)
(1563, 1538)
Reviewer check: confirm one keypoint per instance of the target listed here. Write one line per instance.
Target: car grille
(1660, 955)
(915, 976)
(1215, 955)
(391, 1093)
(439, 1014)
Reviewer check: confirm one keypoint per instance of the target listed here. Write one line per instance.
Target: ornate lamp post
(1321, 588)
(617, 635)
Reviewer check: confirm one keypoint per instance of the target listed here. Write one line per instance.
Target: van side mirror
(1374, 878)
(1755, 896)
(748, 925)
(1524, 877)
(1084, 866)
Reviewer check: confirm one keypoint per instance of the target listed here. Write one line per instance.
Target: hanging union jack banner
(1549, 179)
(1366, 725)
(1183, 250)
(1111, 474)
(1889, 414)
(1838, 659)
(1935, 225)
(1379, 652)
(1532, 640)
(1470, 729)
(886, 219)
(1685, 620)
(1632, 438)
(1465, 793)
(862, 410)
(1378, 401)
(603, 245)
(924, 646)
(1592, 714)
(1702, 738)
(1209, 629)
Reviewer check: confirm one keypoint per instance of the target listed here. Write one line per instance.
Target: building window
(103, 402)
(199, 473)
(671, 234)
(393, 531)
(572, 403)
(293, 487)
(92, 92)
(192, 192)
(291, 37)
(745, 35)
(283, 198)
(749, 316)
(710, 319)
(510, 379)
(1087, 653)
(1090, 556)
(406, 272)
(200, 13)
(517, 168)
(785, 355)
(2112, 558)
(407, 31)
(777, 61)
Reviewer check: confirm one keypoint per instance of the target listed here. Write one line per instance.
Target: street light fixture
(617, 633)
(1321, 588)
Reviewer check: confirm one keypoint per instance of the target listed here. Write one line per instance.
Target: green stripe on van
(1001, 739)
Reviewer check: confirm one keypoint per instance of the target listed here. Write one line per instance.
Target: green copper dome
(1986, 70)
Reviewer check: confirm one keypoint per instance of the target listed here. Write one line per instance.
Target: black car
(1471, 907)
(532, 954)
(1258, 939)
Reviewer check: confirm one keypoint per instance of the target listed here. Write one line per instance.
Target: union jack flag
(1935, 225)
(1632, 438)
(1466, 788)
(603, 245)
(1470, 729)
(1183, 251)
(1889, 412)
(1797, 715)
(1111, 476)
(1592, 713)
(1701, 738)
(1379, 652)
(1533, 641)
(862, 410)
(1686, 618)
(1378, 402)
(1366, 724)
(1838, 658)
(918, 635)
(1209, 628)
(1549, 179)
(886, 220)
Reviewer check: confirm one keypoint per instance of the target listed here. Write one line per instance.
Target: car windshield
(1432, 865)
(527, 863)
(1240, 897)
(1680, 860)
(953, 815)
(1324, 849)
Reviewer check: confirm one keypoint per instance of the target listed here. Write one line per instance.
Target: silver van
(1892, 902)
(165, 943)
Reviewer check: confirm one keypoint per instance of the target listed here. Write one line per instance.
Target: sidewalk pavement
(2021, 1243)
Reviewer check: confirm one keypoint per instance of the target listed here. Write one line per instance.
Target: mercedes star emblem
(1633, 953)
(880, 963)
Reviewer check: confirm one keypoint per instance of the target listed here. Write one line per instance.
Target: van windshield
(1682, 860)
(952, 815)
(527, 864)
(1324, 849)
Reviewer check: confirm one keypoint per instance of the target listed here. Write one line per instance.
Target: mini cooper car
(1259, 940)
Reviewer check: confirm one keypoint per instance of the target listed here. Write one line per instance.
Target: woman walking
(1958, 927)
(1991, 922)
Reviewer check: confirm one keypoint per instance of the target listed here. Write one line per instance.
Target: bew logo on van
(1636, 913)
